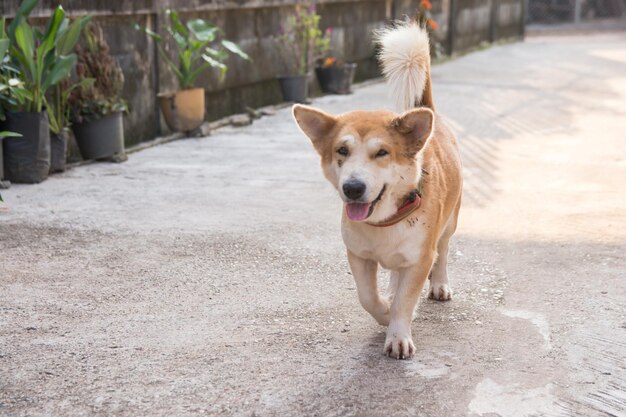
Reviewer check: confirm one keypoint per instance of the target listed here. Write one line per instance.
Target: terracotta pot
(184, 110)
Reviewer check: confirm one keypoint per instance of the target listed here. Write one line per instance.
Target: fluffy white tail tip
(405, 58)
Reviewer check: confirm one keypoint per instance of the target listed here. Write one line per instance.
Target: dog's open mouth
(360, 211)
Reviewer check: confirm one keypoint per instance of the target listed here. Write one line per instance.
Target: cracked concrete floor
(208, 277)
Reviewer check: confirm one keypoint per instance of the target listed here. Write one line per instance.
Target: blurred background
(459, 26)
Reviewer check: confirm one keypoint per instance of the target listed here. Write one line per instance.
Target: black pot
(294, 87)
(27, 158)
(58, 151)
(336, 79)
(1, 162)
(102, 138)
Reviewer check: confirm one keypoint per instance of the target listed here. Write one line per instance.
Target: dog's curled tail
(405, 59)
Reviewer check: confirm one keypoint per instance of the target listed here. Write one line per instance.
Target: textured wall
(252, 24)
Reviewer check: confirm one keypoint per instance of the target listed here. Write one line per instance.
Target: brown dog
(400, 178)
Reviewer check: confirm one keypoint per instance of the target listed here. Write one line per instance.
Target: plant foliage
(92, 100)
(302, 42)
(58, 106)
(43, 58)
(199, 45)
(12, 90)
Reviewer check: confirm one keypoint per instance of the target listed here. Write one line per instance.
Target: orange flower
(432, 24)
(329, 62)
(425, 4)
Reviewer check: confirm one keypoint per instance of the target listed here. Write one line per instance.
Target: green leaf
(220, 55)
(203, 30)
(213, 62)
(181, 41)
(69, 38)
(4, 47)
(197, 52)
(6, 134)
(26, 7)
(48, 41)
(24, 95)
(63, 27)
(48, 38)
(60, 70)
(26, 43)
(186, 58)
(53, 121)
(234, 48)
(176, 23)
(53, 24)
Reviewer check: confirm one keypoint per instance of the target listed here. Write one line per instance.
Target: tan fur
(415, 248)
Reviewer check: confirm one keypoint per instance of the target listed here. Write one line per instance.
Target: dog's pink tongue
(357, 211)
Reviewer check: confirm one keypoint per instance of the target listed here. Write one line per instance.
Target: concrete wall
(252, 24)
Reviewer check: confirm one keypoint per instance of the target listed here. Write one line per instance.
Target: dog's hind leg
(439, 288)
(364, 272)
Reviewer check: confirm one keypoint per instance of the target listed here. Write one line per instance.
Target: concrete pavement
(207, 276)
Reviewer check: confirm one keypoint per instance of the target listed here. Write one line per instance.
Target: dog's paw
(399, 345)
(440, 292)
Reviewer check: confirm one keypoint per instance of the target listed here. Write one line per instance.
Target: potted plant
(33, 53)
(301, 44)
(11, 93)
(96, 107)
(199, 45)
(58, 107)
(5, 134)
(59, 118)
(335, 76)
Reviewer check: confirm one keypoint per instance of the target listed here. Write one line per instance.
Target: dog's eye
(343, 151)
(381, 153)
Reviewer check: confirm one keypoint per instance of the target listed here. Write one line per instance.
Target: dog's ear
(316, 124)
(416, 126)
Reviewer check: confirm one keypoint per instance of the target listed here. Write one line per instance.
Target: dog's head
(372, 158)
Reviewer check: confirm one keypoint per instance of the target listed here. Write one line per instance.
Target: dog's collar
(412, 202)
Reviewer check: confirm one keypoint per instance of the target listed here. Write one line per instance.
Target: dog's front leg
(364, 273)
(399, 343)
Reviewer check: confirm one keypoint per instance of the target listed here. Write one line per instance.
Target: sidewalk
(207, 276)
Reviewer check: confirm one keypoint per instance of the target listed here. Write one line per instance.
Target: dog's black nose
(354, 189)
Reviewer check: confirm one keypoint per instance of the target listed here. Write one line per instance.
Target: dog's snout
(354, 189)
